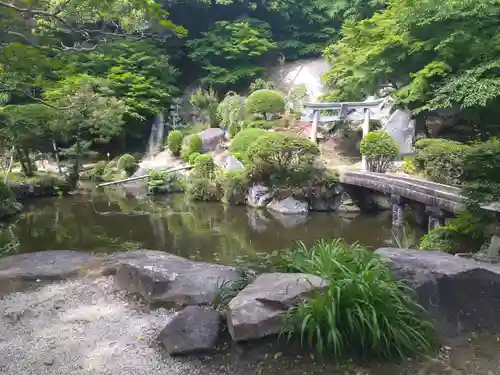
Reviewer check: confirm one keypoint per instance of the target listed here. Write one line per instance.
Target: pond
(114, 220)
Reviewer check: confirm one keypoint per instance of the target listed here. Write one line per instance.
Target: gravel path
(83, 327)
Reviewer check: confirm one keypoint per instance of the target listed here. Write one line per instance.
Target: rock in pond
(45, 265)
(325, 205)
(210, 138)
(461, 295)
(192, 331)
(259, 196)
(258, 310)
(289, 221)
(289, 206)
(166, 279)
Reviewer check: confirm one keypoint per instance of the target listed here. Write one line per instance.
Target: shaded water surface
(112, 220)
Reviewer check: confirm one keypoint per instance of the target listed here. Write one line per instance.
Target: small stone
(48, 362)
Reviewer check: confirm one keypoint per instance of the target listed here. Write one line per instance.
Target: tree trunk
(29, 165)
(74, 175)
(21, 160)
(56, 155)
(11, 164)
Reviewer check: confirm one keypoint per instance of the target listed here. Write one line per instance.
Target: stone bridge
(433, 202)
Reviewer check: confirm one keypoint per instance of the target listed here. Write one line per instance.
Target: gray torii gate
(352, 111)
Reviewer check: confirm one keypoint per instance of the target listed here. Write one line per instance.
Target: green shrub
(261, 84)
(259, 124)
(380, 149)
(192, 157)
(482, 162)
(232, 129)
(234, 187)
(174, 142)
(127, 163)
(244, 139)
(237, 155)
(410, 165)
(228, 111)
(204, 166)
(202, 189)
(5, 192)
(465, 233)
(265, 102)
(194, 145)
(194, 129)
(364, 308)
(160, 181)
(441, 160)
(273, 153)
(97, 172)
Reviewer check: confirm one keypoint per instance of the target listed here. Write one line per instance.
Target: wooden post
(366, 128)
(314, 128)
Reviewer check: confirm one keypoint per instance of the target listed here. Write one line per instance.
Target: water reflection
(111, 220)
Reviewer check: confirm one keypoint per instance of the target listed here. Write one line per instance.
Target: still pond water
(113, 220)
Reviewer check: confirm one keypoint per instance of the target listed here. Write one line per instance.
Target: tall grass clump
(364, 310)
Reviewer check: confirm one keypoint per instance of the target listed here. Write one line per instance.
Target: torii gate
(369, 110)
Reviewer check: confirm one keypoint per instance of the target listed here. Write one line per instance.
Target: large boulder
(166, 279)
(258, 310)
(233, 164)
(45, 265)
(461, 295)
(192, 331)
(259, 196)
(325, 205)
(289, 206)
(210, 138)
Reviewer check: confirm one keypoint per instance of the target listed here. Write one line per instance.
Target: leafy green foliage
(205, 102)
(232, 130)
(273, 153)
(260, 124)
(174, 142)
(232, 53)
(234, 187)
(441, 160)
(229, 110)
(364, 309)
(193, 157)
(261, 84)
(244, 139)
(204, 166)
(202, 189)
(380, 149)
(96, 173)
(127, 163)
(265, 102)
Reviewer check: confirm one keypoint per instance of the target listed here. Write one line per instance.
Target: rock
(347, 204)
(45, 265)
(383, 202)
(289, 206)
(460, 294)
(9, 207)
(162, 278)
(233, 164)
(220, 158)
(192, 331)
(325, 205)
(210, 139)
(259, 196)
(258, 310)
(289, 221)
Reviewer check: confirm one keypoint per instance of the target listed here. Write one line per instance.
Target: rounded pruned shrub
(127, 163)
(265, 102)
(174, 142)
(363, 309)
(441, 160)
(274, 153)
(380, 149)
(232, 129)
(193, 145)
(482, 162)
(193, 157)
(244, 139)
(204, 166)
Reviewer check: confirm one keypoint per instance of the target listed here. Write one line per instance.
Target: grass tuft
(364, 311)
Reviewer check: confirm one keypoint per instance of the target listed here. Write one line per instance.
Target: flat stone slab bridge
(432, 201)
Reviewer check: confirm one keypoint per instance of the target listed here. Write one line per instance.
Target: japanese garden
(249, 187)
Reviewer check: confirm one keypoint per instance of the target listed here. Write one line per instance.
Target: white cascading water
(156, 136)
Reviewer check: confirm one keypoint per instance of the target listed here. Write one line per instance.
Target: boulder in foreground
(258, 310)
(461, 295)
(45, 265)
(166, 279)
(193, 330)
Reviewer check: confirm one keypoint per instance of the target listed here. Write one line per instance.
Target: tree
(434, 54)
(26, 128)
(92, 115)
(232, 53)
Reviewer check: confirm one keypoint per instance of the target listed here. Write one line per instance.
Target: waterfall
(155, 142)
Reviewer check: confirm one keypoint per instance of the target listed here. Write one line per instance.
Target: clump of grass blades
(228, 289)
(364, 311)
